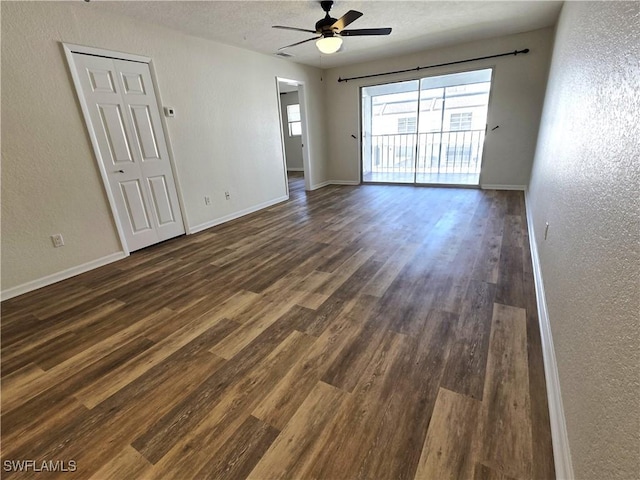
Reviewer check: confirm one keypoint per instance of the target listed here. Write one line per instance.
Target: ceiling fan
(331, 30)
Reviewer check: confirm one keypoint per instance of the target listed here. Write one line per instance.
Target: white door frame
(69, 50)
(306, 151)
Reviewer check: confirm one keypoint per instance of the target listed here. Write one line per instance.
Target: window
(460, 121)
(407, 125)
(293, 118)
(459, 153)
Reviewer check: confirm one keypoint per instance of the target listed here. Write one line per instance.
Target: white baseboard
(293, 169)
(59, 276)
(233, 216)
(320, 185)
(334, 182)
(503, 187)
(85, 267)
(559, 436)
(344, 182)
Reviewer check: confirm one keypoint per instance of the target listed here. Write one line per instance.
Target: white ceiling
(417, 25)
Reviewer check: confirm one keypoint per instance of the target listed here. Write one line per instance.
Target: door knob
(119, 171)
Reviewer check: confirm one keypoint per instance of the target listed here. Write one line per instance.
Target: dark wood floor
(378, 332)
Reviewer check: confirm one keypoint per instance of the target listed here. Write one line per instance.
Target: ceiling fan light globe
(329, 45)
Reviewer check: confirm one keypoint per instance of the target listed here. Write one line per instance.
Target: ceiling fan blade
(365, 31)
(294, 28)
(298, 43)
(347, 18)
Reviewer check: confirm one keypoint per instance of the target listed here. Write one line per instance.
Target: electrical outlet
(207, 200)
(57, 240)
(546, 230)
(227, 195)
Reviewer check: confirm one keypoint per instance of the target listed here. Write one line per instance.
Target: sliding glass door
(428, 131)
(390, 132)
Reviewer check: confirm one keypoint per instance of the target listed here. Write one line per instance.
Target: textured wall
(586, 183)
(515, 104)
(225, 135)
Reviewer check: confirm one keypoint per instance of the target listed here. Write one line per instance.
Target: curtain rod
(515, 52)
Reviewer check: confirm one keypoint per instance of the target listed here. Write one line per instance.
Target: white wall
(586, 183)
(515, 105)
(50, 180)
(292, 145)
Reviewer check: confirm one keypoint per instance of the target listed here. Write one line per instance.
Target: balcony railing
(436, 152)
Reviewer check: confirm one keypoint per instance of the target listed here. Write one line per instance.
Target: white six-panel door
(125, 118)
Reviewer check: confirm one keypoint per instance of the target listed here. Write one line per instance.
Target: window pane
(460, 121)
(392, 108)
(295, 128)
(293, 113)
(407, 125)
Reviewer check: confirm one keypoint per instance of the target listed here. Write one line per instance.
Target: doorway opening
(428, 131)
(293, 126)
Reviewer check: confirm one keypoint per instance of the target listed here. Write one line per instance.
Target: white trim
(59, 276)
(167, 140)
(503, 187)
(105, 53)
(334, 182)
(559, 436)
(307, 161)
(305, 138)
(233, 216)
(344, 182)
(295, 169)
(320, 185)
(282, 141)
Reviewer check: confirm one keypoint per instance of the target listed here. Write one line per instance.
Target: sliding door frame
(410, 78)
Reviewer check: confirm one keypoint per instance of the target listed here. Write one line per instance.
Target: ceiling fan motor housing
(326, 5)
(323, 26)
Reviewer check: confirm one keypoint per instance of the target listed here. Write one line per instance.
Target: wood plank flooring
(373, 332)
